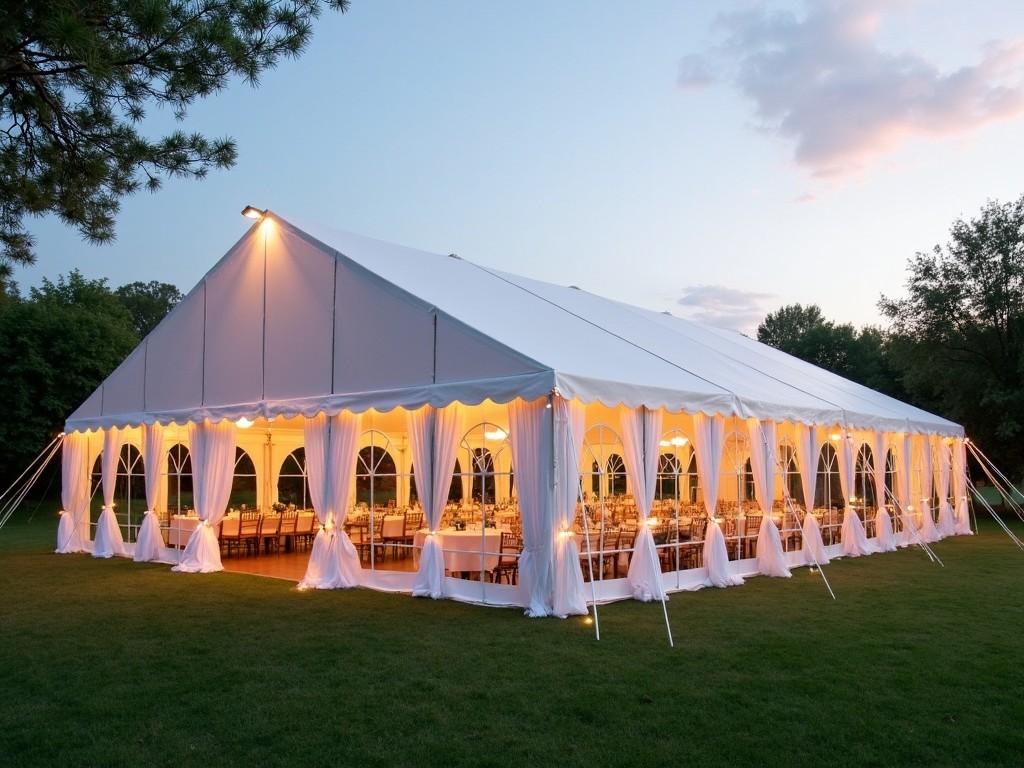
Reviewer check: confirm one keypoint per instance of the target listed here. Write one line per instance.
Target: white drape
(570, 421)
(332, 444)
(908, 535)
(855, 539)
(708, 438)
(434, 438)
(109, 541)
(73, 530)
(963, 515)
(150, 542)
(947, 524)
(808, 448)
(641, 432)
(928, 530)
(886, 539)
(530, 434)
(212, 450)
(771, 560)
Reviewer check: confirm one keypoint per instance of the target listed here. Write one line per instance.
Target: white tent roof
(297, 321)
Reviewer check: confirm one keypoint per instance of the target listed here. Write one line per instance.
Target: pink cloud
(823, 82)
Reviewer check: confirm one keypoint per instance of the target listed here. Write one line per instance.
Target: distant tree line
(955, 342)
(57, 343)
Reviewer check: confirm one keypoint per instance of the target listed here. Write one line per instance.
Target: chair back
(413, 522)
(229, 527)
(271, 525)
(511, 546)
(303, 523)
(289, 519)
(752, 525)
(249, 523)
(698, 528)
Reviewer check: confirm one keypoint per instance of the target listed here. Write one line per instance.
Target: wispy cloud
(822, 81)
(724, 307)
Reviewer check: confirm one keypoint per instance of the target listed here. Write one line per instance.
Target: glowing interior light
(679, 441)
(244, 423)
(252, 212)
(665, 443)
(834, 437)
(495, 434)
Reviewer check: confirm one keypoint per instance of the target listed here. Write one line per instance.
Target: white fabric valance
(771, 560)
(434, 438)
(212, 449)
(854, 537)
(885, 538)
(109, 541)
(963, 515)
(947, 522)
(929, 533)
(570, 423)
(808, 449)
(149, 544)
(530, 435)
(73, 530)
(332, 443)
(709, 438)
(641, 432)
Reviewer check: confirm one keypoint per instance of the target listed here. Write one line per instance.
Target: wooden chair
(358, 533)
(286, 530)
(303, 528)
(508, 559)
(413, 523)
(249, 524)
(228, 534)
(751, 526)
(691, 554)
(270, 533)
(626, 541)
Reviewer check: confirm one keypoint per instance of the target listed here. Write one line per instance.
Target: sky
(716, 160)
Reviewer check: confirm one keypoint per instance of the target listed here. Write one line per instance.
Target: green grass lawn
(113, 663)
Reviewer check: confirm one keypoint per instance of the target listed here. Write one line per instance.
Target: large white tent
(313, 327)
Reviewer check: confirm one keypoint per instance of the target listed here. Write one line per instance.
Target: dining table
(462, 549)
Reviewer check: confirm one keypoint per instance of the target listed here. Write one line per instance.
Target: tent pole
(656, 565)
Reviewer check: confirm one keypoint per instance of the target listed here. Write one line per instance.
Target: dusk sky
(717, 160)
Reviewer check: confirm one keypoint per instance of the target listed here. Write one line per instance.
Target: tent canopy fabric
(298, 321)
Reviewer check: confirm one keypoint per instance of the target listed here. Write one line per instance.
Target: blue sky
(717, 160)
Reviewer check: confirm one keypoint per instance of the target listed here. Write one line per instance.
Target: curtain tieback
(63, 512)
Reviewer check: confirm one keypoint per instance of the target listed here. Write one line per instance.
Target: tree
(148, 303)
(786, 327)
(76, 79)
(961, 328)
(56, 346)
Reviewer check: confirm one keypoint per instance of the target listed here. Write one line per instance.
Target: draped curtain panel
(708, 438)
(641, 432)
(855, 538)
(947, 524)
(149, 544)
(885, 538)
(928, 530)
(963, 515)
(434, 437)
(332, 444)
(570, 423)
(109, 541)
(909, 534)
(771, 560)
(212, 448)
(73, 530)
(808, 447)
(531, 437)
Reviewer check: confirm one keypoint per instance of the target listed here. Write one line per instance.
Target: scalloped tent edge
(295, 321)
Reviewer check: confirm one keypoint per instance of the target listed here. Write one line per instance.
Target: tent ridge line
(602, 328)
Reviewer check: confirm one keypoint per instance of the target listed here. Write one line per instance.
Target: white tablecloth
(468, 544)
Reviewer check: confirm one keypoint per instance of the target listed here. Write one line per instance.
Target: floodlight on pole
(252, 212)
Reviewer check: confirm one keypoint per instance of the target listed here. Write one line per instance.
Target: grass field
(113, 663)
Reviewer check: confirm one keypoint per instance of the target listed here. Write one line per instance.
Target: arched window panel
(675, 451)
(179, 480)
(244, 485)
(828, 491)
(293, 481)
(617, 485)
(376, 471)
(864, 478)
(791, 482)
(890, 475)
(129, 489)
(484, 449)
(735, 475)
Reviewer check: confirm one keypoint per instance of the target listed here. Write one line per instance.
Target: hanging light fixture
(244, 423)
(252, 212)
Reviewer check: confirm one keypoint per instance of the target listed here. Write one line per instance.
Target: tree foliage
(148, 303)
(56, 345)
(960, 328)
(76, 80)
